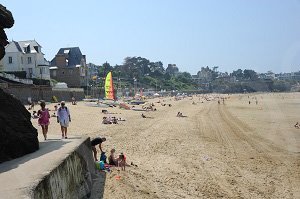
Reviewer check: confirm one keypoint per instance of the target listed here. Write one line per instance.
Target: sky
(259, 34)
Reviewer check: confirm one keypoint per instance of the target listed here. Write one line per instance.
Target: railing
(16, 79)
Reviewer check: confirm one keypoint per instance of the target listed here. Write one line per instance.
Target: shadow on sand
(45, 147)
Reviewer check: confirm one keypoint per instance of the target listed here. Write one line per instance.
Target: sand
(231, 150)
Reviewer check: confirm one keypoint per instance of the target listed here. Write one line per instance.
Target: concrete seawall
(71, 179)
(60, 169)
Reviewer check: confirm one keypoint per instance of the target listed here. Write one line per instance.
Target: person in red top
(43, 115)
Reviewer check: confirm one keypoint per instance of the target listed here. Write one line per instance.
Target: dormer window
(27, 49)
(36, 48)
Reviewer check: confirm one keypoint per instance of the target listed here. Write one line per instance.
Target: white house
(25, 56)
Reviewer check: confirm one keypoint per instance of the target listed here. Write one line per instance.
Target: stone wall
(71, 179)
(22, 92)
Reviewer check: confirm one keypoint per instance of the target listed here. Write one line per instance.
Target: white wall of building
(32, 62)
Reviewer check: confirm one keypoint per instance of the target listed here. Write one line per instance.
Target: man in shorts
(63, 118)
(94, 143)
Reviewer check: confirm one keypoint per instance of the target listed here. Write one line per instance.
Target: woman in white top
(63, 117)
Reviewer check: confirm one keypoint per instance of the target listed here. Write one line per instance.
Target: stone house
(69, 66)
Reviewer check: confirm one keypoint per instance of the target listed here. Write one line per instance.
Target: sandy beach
(231, 150)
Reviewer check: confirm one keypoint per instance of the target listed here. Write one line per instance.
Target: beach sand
(235, 150)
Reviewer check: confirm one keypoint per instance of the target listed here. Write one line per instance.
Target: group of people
(111, 120)
(113, 159)
(63, 118)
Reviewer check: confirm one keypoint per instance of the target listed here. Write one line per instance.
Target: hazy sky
(258, 34)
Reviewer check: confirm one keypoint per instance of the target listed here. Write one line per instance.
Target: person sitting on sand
(104, 111)
(114, 120)
(297, 125)
(105, 120)
(143, 116)
(121, 120)
(179, 114)
(94, 143)
(111, 159)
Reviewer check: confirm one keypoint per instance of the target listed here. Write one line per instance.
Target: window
(10, 60)
(29, 60)
(36, 48)
(30, 72)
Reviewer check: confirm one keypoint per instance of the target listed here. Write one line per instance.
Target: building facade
(25, 56)
(69, 66)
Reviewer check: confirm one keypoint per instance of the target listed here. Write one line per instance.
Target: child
(122, 161)
(43, 121)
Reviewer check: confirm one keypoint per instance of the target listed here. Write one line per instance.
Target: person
(97, 141)
(63, 117)
(74, 101)
(43, 115)
(34, 115)
(297, 125)
(111, 159)
(114, 120)
(106, 120)
(103, 157)
(122, 161)
(143, 116)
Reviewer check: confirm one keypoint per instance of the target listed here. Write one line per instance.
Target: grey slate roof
(18, 46)
(73, 53)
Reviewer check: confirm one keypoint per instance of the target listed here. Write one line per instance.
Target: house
(25, 56)
(205, 75)
(93, 70)
(69, 66)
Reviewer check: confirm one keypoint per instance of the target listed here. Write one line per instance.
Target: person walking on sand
(43, 115)
(63, 117)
